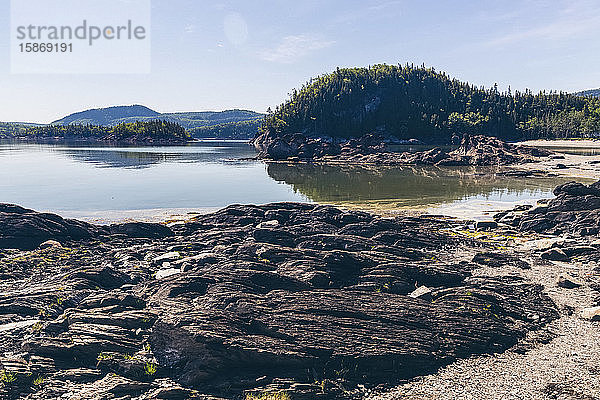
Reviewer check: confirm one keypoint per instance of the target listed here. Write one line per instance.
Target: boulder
(25, 229)
(422, 292)
(555, 255)
(567, 282)
(486, 225)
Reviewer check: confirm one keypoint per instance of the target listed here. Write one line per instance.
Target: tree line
(151, 130)
(419, 102)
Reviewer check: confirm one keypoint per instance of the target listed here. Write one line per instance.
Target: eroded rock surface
(302, 298)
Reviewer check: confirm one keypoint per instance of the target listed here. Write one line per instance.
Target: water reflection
(76, 176)
(407, 186)
(111, 156)
(145, 157)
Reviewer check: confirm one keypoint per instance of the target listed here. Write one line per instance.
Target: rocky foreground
(560, 361)
(283, 300)
(374, 149)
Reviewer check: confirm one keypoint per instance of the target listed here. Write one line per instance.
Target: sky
(217, 55)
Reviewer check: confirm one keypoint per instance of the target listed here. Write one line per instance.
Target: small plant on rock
(38, 381)
(280, 395)
(7, 378)
(150, 369)
(37, 327)
(104, 356)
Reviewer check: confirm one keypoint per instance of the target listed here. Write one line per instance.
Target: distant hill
(108, 116)
(242, 124)
(589, 93)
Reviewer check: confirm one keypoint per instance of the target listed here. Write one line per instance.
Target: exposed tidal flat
(295, 298)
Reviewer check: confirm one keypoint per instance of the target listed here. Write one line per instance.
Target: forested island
(228, 124)
(408, 102)
(152, 132)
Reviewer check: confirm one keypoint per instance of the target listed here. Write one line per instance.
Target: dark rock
(575, 210)
(371, 149)
(555, 255)
(565, 281)
(576, 189)
(498, 260)
(141, 230)
(25, 229)
(478, 150)
(579, 250)
(274, 236)
(486, 225)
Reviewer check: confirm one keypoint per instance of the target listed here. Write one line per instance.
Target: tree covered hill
(242, 123)
(193, 120)
(135, 132)
(108, 116)
(232, 130)
(418, 102)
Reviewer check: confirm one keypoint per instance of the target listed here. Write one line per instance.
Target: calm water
(84, 178)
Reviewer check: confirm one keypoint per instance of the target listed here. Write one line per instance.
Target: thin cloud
(295, 47)
(370, 11)
(576, 19)
(385, 4)
(554, 31)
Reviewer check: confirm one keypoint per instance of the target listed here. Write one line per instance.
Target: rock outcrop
(575, 210)
(372, 149)
(478, 150)
(25, 229)
(306, 299)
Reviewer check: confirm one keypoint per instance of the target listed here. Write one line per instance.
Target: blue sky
(209, 55)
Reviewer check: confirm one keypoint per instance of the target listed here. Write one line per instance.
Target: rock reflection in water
(145, 157)
(406, 186)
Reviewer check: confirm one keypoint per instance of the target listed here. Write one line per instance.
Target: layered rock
(303, 298)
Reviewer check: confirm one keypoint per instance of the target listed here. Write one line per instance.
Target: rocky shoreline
(373, 149)
(305, 301)
(560, 360)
